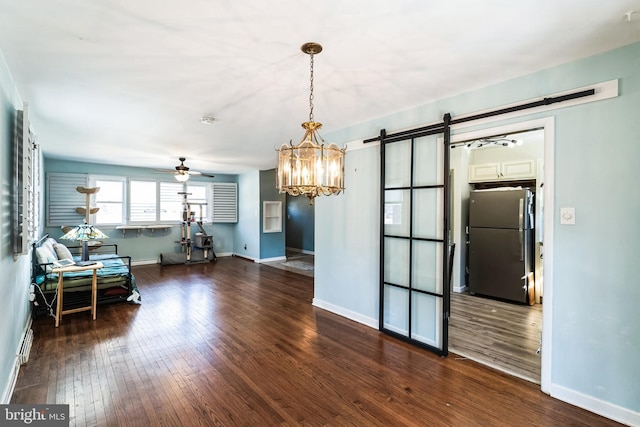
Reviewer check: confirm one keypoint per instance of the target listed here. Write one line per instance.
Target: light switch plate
(568, 216)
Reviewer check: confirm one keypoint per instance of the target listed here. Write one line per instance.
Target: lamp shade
(84, 233)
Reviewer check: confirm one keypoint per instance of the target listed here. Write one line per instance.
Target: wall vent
(25, 348)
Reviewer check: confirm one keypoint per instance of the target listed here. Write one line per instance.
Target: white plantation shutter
(63, 199)
(225, 202)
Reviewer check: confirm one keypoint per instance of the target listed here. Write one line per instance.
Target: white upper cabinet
(503, 171)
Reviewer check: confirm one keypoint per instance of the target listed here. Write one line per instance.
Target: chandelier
(310, 168)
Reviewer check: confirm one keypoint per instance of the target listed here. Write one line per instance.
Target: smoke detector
(207, 120)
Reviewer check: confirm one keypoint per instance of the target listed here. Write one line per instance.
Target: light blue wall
(300, 223)
(596, 326)
(272, 245)
(14, 286)
(147, 246)
(248, 230)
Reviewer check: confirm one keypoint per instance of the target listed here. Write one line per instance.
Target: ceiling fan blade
(201, 174)
(165, 170)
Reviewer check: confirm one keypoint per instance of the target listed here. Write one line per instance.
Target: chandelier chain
(311, 89)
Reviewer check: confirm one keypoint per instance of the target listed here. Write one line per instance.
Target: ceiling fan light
(182, 177)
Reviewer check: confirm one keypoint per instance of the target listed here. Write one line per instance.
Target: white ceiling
(126, 81)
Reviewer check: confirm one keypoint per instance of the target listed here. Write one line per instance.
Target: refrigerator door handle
(521, 215)
(521, 227)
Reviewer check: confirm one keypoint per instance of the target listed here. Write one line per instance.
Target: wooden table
(94, 289)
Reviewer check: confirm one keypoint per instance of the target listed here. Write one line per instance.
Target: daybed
(115, 281)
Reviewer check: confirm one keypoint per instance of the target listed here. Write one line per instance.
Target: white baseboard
(11, 384)
(244, 256)
(459, 289)
(341, 311)
(591, 404)
(278, 258)
(145, 262)
(157, 261)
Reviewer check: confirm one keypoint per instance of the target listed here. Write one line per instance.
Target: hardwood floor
(500, 334)
(238, 343)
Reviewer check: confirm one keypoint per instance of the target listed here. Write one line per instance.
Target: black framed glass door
(414, 291)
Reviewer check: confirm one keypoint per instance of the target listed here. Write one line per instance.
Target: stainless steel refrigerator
(501, 243)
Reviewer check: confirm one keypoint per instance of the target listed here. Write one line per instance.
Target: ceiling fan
(182, 172)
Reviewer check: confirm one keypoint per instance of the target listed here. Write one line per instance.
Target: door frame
(548, 124)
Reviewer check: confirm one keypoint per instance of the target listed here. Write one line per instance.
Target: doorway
(503, 334)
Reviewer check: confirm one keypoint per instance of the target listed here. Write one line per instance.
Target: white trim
(145, 262)
(244, 256)
(603, 90)
(358, 144)
(600, 407)
(277, 258)
(341, 311)
(11, 384)
(548, 124)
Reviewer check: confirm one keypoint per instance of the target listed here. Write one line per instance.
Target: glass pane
(143, 201)
(198, 199)
(396, 261)
(427, 266)
(109, 213)
(426, 315)
(428, 210)
(110, 200)
(396, 306)
(429, 159)
(171, 202)
(110, 191)
(396, 212)
(397, 171)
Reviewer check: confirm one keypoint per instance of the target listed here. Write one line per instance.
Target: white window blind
(63, 199)
(143, 201)
(225, 202)
(171, 201)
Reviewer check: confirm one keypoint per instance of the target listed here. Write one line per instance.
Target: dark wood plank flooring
(238, 343)
(500, 334)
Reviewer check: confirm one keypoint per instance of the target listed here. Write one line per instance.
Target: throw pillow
(62, 251)
(44, 256)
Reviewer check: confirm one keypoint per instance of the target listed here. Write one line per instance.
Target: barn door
(414, 250)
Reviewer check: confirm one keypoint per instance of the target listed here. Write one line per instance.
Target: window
(143, 202)
(143, 198)
(171, 201)
(110, 200)
(155, 201)
(197, 197)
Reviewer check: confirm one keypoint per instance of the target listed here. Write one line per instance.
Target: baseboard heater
(25, 348)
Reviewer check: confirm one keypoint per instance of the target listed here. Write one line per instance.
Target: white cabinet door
(505, 171)
(520, 169)
(484, 172)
